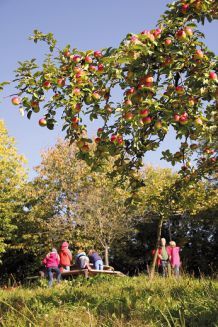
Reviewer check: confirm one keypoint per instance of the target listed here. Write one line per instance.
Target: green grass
(113, 301)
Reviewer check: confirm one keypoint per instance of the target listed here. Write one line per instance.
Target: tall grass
(109, 301)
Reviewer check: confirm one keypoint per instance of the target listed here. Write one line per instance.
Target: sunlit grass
(126, 301)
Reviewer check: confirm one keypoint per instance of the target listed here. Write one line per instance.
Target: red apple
(42, 122)
(100, 68)
(113, 138)
(146, 120)
(61, 82)
(75, 120)
(97, 140)
(181, 35)
(168, 41)
(98, 54)
(99, 131)
(184, 8)
(183, 120)
(47, 84)
(76, 91)
(134, 39)
(176, 117)
(128, 116)
(78, 107)
(96, 95)
(149, 79)
(16, 101)
(85, 148)
(75, 58)
(92, 68)
(128, 102)
(199, 54)
(180, 89)
(80, 74)
(188, 31)
(144, 112)
(66, 53)
(212, 76)
(120, 140)
(108, 109)
(130, 91)
(88, 59)
(35, 106)
(157, 33)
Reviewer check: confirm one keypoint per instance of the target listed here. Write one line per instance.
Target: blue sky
(83, 24)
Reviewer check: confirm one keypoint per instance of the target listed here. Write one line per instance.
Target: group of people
(60, 262)
(168, 258)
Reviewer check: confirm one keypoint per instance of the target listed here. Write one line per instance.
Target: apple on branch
(16, 101)
(146, 120)
(181, 35)
(35, 106)
(128, 116)
(144, 112)
(88, 59)
(212, 76)
(42, 122)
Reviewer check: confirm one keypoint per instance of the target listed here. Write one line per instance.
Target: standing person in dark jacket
(95, 258)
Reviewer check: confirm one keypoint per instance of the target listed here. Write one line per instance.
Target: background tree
(12, 180)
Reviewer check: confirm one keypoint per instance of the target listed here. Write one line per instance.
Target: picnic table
(75, 271)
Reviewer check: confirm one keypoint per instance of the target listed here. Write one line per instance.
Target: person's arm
(159, 254)
(58, 259)
(70, 255)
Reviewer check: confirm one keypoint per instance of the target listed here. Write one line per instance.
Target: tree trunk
(106, 255)
(159, 229)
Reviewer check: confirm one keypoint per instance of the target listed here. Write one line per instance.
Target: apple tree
(168, 80)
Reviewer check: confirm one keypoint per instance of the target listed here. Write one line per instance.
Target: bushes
(113, 302)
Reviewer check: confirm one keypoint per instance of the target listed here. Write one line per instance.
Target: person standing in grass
(65, 256)
(174, 258)
(163, 257)
(51, 262)
(95, 258)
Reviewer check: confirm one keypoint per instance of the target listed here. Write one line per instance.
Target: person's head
(163, 241)
(172, 244)
(64, 245)
(54, 250)
(80, 251)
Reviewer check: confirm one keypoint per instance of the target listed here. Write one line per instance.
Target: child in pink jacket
(174, 257)
(51, 262)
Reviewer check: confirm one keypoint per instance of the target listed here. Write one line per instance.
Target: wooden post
(106, 255)
(159, 229)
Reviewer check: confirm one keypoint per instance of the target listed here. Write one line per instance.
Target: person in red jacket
(65, 256)
(51, 262)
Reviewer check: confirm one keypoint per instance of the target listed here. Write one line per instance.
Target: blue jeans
(99, 265)
(164, 268)
(50, 271)
(176, 270)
